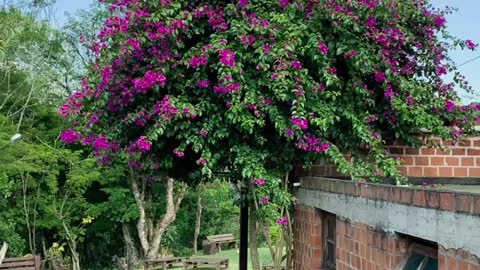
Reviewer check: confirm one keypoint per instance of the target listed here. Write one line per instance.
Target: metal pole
(243, 233)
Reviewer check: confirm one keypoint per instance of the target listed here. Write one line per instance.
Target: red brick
(382, 193)
(433, 199)
(475, 204)
(406, 196)
(460, 172)
(474, 172)
(473, 267)
(394, 194)
(445, 172)
(447, 143)
(476, 143)
(477, 161)
(452, 161)
(452, 264)
(474, 152)
(468, 161)
(458, 152)
(419, 198)
(442, 262)
(465, 143)
(407, 161)
(442, 153)
(422, 161)
(437, 161)
(396, 150)
(427, 151)
(403, 170)
(447, 201)
(412, 151)
(430, 172)
(415, 171)
(463, 203)
(463, 266)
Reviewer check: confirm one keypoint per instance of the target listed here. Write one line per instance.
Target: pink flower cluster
(284, 4)
(311, 144)
(202, 162)
(350, 54)
(264, 200)
(165, 110)
(203, 84)
(322, 48)
(101, 143)
(178, 153)
(227, 89)
(227, 58)
(73, 106)
(296, 65)
(149, 79)
(198, 61)
(70, 137)
(470, 44)
(259, 182)
(142, 144)
(449, 105)
(300, 122)
(380, 77)
(282, 221)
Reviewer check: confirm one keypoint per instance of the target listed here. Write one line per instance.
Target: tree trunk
(198, 220)
(168, 218)
(3, 252)
(142, 219)
(130, 248)
(150, 232)
(255, 258)
(75, 258)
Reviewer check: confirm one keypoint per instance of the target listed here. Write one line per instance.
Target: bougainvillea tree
(185, 88)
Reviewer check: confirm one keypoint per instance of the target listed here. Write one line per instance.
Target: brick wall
(456, 259)
(446, 200)
(307, 244)
(362, 247)
(358, 246)
(367, 247)
(460, 160)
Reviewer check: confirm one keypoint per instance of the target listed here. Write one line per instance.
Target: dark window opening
(422, 256)
(329, 237)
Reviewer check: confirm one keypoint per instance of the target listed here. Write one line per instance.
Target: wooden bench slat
(23, 268)
(17, 264)
(21, 263)
(219, 236)
(16, 259)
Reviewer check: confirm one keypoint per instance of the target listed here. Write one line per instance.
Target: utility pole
(243, 231)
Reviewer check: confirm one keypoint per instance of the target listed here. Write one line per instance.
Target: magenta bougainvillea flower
(259, 182)
(70, 137)
(199, 86)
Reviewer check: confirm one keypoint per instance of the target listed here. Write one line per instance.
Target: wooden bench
(196, 262)
(214, 243)
(21, 263)
(271, 267)
(163, 262)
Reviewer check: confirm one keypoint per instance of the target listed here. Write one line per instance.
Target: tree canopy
(184, 87)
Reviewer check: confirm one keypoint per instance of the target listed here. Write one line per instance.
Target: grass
(232, 256)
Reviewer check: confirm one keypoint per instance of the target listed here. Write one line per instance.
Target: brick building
(344, 225)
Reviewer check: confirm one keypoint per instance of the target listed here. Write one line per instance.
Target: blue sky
(463, 24)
